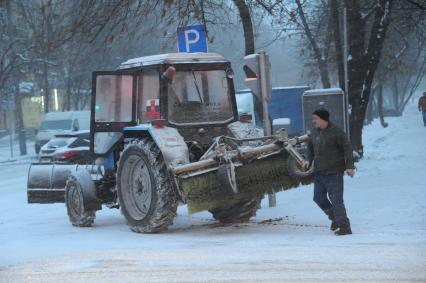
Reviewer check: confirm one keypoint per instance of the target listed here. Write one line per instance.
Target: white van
(61, 122)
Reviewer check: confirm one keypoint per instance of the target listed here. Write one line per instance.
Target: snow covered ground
(6, 153)
(386, 203)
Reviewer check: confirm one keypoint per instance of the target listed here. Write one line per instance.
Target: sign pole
(265, 90)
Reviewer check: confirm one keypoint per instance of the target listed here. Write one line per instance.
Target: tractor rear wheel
(78, 214)
(145, 190)
(237, 213)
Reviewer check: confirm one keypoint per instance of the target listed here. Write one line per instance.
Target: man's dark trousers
(333, 206)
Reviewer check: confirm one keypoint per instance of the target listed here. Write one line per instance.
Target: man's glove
(305, 165)
(350, 172)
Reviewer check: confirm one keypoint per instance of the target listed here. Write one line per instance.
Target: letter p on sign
(192, 39)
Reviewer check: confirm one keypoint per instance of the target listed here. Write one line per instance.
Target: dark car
(67, 148)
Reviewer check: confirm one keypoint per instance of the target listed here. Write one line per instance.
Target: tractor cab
(189, 91)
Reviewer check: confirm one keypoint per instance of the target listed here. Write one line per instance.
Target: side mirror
(229, 73)
(169, 74)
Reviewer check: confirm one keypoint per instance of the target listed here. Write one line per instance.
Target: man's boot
(343, 231)
(334, 226)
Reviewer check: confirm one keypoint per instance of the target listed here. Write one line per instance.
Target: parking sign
(192, 39)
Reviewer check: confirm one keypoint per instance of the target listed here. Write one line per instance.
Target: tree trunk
(249, 44)
(380, 106)
(369, 116)
(395, 92)
(334, 14)
(46, 93)
(16, 79)
(20, 119)
(364, 62)
(247, 25)
(322, 64)
(356, 41)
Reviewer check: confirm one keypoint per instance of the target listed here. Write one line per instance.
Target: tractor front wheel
(236, 213)
(145, 191)
(78, 214)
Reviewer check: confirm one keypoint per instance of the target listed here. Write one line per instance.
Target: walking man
(422, 107)
(331, 152)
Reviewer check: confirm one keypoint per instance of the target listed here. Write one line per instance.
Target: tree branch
(317, 53)
(418, 5)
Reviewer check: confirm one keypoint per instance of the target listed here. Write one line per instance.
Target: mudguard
(84, 178)
(169, 141)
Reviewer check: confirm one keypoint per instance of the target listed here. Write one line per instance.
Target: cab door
(113, 107)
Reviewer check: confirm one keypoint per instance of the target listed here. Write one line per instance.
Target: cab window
(149, 96)
(113, 98)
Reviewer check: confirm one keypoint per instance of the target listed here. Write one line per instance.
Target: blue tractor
(165, 131)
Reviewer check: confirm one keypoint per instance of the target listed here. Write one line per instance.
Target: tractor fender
(84, 178)
(169, 141)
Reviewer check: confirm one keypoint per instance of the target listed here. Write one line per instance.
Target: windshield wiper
(196, 86)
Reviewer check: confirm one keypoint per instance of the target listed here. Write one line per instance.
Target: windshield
(59, 142)
(56, 125)
(199, 97)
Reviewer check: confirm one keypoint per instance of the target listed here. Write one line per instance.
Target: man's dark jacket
(330, 150)
(422, 103)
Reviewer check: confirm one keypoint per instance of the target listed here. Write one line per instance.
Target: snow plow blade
(46, 182)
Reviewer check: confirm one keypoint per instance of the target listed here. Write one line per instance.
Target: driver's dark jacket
(330, 150)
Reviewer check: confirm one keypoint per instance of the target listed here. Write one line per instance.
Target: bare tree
(13, 48)
(370, 47)
(45, 21)
(402, 63)
(246, 21)
(317, 52)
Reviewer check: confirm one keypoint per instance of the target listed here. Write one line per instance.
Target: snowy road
(386, 203)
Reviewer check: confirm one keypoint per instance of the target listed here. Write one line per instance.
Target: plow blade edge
(46, 182)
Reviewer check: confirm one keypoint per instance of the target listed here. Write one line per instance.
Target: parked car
(67, 148)
(61, 122)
